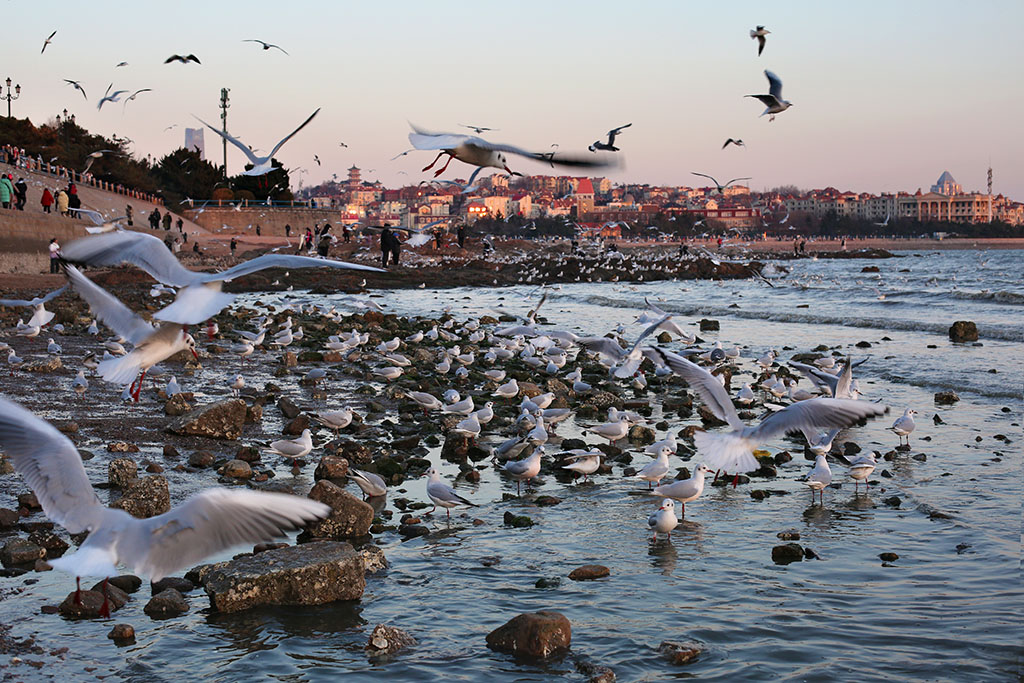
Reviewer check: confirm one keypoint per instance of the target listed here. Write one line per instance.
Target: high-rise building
(194, 141)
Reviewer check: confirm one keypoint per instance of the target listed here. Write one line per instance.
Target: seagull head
(190, 343)
(668, 504)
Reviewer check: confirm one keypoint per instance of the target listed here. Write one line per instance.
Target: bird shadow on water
(819, 515)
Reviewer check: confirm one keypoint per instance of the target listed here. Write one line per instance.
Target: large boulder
(534, 634)
(963, 331)
(19, 552)
(349, 518)
(220, 420)
(146, 497)
(121, 471)
(308, 574)
(331, 467)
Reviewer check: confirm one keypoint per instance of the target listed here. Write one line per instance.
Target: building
(947, 185)
(354, 178)
(194, 141)
(936, 206)
(584, 197)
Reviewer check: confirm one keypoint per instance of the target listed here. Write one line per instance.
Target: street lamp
(9, 96)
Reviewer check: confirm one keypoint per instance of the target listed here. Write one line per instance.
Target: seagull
(773, 100)
(237, 385)
(40, 316)
(134, 95)
(110, 97)
(760, 34)
(664, 520)
(372, 485)
(92, 157)
(730, 141)
(425, 401)
(78, 86)
(732, 450)
(686, 490)
(152, 344)
(47, 42)
(293, 448)
(820, 476)
(861, 468)
(583, 462)
(656, 470)
(119, 64)
(53, 347)
(336, 419)
(260, 165)
(525, 469)
(208, 523)
(266, 46)
(184, 60)
(720, 186)
(102, 224)
(885, 222)
(316, 159)
(610, 145)
(613, 431)
(200, 296)
(904, 425)
(629, 360)
(508, 390)
(478, 129)
(81, 384)
(479, 152)
(442, 494)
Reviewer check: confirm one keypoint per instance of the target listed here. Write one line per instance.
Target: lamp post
(224, 105)
(10, 96)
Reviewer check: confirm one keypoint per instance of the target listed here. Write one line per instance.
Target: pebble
(122, 632)
(589, 572)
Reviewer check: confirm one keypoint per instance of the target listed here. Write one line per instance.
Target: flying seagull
(773, 100)
(184, 60)
(102, 224)
(477, 129)
(342, 144)
(738, 143)
(610, 145)
(266, 46)
(96, 155)
(479, 152)
(78, 86)
(316, 159)
(719, 185)
(120, 64)
(760, 34)
(260, 165)
(110, 96)
(47, 42)
(135, 94)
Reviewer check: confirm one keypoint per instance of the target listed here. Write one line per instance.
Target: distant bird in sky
(610, 145)
(173, 125)
(760, 34)
(119, 64)
(342, 144)
(47, 42)
(479, 152)
(78, 86)
(135, 94)
(260, 165)
(266, 46)
(184, 60)
(773, 100)
(719, 185)
(316, 159)
(477, 129)
(110, 96)
(738, 143)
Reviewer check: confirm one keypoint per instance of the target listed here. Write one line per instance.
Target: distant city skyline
(886, 96)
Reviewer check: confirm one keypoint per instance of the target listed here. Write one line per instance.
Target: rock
(679, 653)
(165, 604)
(308, 574)
(870, 269)
(596, 673)
(349, 518)
(893, 501)
(122, 447)
(456, 447)
(963, 331)
(534, 634)
(54, 545)
(146, 497)
(863, 344)
(707, 325)
(236, 469)
(546, 501)
(602, 400)
(589, 572)
(18, 552)
(387, 640)
(331, 467)
(412, 530)
(888, 557)
(664, 338)
(8, 518)
(289, 359)
(946, 398)
(288, 408)
(642, 435)
(177, 405)
(129, 583)
(789, 535)
(295, 427)
(29, 501)
(202, 459)
(170, 451)
(122, 633)
(121, 471)
(220, 420)
(373, 558)
(88, 606)
(52, 364)
(115, 595)
(545, 582)
(789, 552)
(353, 451)
(517, 521)
(182, 585)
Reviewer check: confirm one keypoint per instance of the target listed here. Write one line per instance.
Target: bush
(245, 194)
(223, 194)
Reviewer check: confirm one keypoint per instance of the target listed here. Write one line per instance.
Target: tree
(274, 185)
(182, 174)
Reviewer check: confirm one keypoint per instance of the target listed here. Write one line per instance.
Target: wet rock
(517, 521)
(664, 338)
(406, 443)
(295, 427)
(290, 359)
(546, 501)
(129, 583)
(146, 497)
(331, 467)
(456, 447)
(893, 501)
(70, 427)
(29, 501)
(963, 331)
(946, 398)
(888, 557)
(52, 364)
(679, 653)
(17, 552)
(870, 269)
(353, 451)
(308, 574)
(588, 572)
(349, 518)
(236, 469)
(88, 605)
(170, 451)
(708, 418)
(412, 530)
(373, 558)
(545, 582)
(791, 535)
(253, 414)
(177, 405)
(288, 408)
(182, 585)
(122, 447)
(920, 457)
(387, 640)
(122, 634)
(596, 673)
(535, 635)
(642, 435)
(166, 604)
(115, 595)
(54, 545)
(220, 420)
(603, 400)
(786, 553)
(154, 467)
(121, 471)
(811, 555)
(707, 325)
(202, 459)
(8, 518)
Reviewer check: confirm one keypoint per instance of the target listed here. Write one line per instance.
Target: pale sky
(886, 95)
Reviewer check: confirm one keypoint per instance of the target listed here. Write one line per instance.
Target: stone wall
(270, 219)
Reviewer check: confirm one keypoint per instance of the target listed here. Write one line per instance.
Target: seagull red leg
(439, 155)
(105, 607)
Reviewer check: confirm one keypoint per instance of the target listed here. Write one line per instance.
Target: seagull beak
(194, 354)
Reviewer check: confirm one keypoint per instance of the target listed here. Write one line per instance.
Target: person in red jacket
(47, 200)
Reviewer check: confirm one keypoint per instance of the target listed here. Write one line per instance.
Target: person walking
(6, 191)
(62, 202)
(287, 230)
(154, 219)
(385, 246)
(461, 234)
(234, 245)
(128, 214)
(47, 200)
(258, 230)
(21, 194)
(324, 245)
(54, 255)
(346, 234)
(179, 224)
(167, 221)
(437, 238)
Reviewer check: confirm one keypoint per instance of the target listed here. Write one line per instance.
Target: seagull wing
(423, 140)
(705, 175)
(281, 261)
(818, 377)
(734, 180)
(234, 141)
(705, 384)
(108, 309)
(842, 388)
(51, 465)
(651, 329)
(292, 134)
(774, 85)
(142, 250)
(815, 414)
(604, 346)
(210, 522)
(95, 216)
(766, 100)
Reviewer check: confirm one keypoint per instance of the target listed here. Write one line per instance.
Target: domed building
(947, 185)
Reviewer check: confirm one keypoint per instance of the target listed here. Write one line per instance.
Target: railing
(254, 203)
(37, 165)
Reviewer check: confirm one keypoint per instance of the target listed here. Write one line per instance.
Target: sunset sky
(886, 95)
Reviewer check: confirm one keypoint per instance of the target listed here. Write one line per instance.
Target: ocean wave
(1000, 296)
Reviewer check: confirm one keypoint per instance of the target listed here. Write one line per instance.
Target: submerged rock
(679, 653)
(588, 572)
(534, 634)
(963, 331)
(122, 633)
(387, 640)
(786, 553)
(220, 420)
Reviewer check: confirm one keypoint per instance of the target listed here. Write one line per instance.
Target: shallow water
(938, 613)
